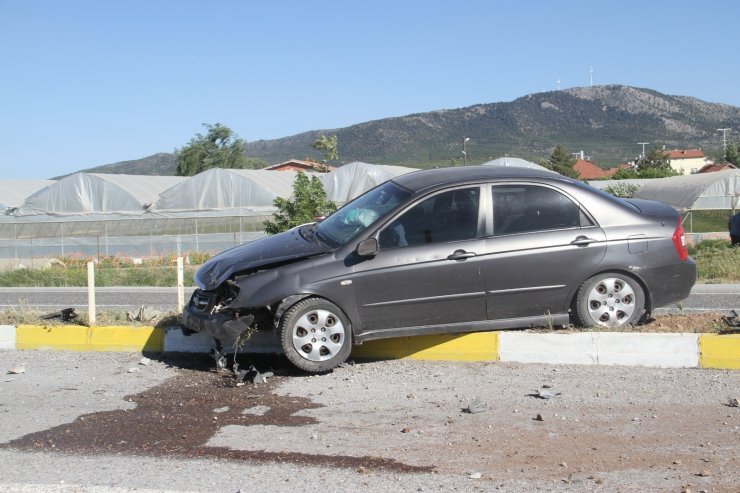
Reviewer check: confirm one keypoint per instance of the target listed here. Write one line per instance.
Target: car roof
(437, 177)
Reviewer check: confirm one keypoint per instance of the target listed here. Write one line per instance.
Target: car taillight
(679, 241)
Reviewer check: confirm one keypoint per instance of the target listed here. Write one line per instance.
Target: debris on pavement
(539, 418)
(251, 375)
(145, 361)
(544, 394)
(17, 370)
(733, 402)
(65, 315)
(477, 406)
(732, 322)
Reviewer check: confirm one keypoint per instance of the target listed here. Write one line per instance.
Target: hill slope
(606, 122)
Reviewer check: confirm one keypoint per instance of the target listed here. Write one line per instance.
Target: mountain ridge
(606, 122)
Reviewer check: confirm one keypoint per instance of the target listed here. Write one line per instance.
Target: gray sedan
(448, 250)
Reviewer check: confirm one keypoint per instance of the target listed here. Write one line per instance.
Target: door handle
(461, 255)
(583, 241)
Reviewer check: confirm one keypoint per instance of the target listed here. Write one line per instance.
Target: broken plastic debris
(17, 370)
(477, 406)
(145, 361)
(253, 375)
(544, 394)
(66, 315)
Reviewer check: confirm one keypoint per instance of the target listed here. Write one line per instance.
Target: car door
(542, 246)
(427, 270)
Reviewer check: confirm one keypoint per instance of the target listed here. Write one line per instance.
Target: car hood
(277, 249)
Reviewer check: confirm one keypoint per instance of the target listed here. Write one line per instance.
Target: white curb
(657, 350)
(7, 337)
(523, 347)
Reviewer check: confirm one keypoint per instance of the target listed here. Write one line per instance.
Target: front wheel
(315, 335)
(609, 300)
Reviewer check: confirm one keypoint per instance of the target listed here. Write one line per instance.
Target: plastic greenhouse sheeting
(718, 190)
(14, 192)
(217, 189)
(700, 191)
(84, 193)
(352, 180)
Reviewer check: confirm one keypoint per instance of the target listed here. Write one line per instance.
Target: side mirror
(367, 247)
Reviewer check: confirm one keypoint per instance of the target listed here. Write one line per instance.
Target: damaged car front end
(237, 291)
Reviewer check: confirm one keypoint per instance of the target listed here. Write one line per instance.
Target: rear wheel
(315, 335)
(609, 300)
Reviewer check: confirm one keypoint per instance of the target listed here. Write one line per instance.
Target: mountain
(162, 163)
(606, 122)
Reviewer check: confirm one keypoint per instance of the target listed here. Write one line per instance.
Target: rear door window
(529, 208)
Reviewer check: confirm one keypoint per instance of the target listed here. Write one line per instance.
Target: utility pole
(591, 75)
(643, 144)
(724, 140)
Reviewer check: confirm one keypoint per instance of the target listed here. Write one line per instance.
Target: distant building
(299, 165)
(589, 171)
(711, 168)
(686, 161)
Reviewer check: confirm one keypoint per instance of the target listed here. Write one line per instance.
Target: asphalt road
(704, 298)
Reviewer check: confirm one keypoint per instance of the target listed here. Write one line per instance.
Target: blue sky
(87, 83)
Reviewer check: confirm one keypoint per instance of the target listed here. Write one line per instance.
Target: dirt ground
(706, 322)
(603, 429)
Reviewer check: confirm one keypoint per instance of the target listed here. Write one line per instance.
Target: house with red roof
(587, 170)
(711, 168)
(299, 165)
(686, 161)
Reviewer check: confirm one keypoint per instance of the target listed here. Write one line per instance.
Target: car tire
(315, 335)
(609, 300)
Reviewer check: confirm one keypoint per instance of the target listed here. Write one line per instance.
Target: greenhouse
(701, 191)
(104, 215)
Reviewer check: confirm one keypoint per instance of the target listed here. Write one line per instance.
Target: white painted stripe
(7, 337)
(571, 348)
(657, 350)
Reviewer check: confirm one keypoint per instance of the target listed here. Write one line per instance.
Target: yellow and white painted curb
(583, 348)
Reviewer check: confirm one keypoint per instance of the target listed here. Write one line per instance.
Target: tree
(219, 148)
(562, 162)
(625, 174)
(732, 154)
(655, 159)
(329, 146)
(307, 204)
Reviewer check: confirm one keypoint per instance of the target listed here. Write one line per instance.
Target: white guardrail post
(180, 286)
(91, 293)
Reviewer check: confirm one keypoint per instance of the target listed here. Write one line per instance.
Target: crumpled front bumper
(221, 326)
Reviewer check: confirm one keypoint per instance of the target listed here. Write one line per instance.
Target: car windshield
(357, 215)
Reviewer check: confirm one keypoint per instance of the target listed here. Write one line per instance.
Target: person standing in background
(734, 226)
